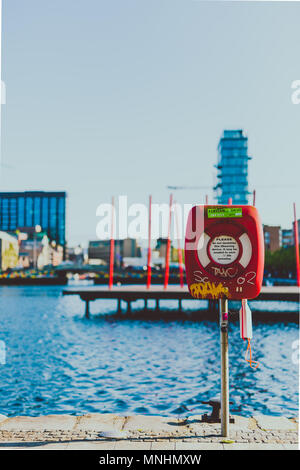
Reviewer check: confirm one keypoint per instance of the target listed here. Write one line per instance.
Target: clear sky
(129, 96)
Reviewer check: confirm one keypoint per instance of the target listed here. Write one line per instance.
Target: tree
(281, 263)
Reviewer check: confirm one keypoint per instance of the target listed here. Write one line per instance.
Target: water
(59, 362)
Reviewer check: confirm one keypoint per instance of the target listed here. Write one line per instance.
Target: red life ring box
(224, 252)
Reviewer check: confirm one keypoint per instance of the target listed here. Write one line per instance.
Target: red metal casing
(224, 252)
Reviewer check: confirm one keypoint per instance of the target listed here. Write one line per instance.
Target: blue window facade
(5, 213)
(29, 212)
(45, 213)
(31, 208)
(21, 212)
(232, 168)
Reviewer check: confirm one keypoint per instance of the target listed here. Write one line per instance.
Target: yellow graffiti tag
(201, 290)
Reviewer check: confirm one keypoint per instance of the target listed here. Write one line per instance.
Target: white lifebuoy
(202, 249)
(247, 250)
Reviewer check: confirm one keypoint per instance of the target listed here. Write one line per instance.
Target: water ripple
(58, 362)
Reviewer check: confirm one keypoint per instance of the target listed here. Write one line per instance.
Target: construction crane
(175, 188)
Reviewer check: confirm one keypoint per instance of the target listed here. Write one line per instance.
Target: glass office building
(31, 208)
(232, 168)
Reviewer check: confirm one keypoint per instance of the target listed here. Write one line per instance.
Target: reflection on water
(58, 362)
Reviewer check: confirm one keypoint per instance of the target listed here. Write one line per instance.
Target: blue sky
(127, 97)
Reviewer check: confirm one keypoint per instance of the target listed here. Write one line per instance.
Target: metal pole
(180, 259)
(296, 239)
(224, 368)
(149, 246)
(112, 246)
(167, 267)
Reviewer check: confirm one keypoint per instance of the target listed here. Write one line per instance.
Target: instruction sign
(224, 249)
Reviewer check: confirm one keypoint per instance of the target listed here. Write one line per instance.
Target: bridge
(130, 294)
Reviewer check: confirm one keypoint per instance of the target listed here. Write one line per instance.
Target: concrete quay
(113, 432)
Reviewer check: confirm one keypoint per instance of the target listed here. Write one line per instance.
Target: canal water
(59, 362)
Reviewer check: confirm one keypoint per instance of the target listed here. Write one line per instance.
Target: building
(232, 168)
(99, 251)
(9, 251)
(272, 236)
(35, 208)
(161, 247)
(33, 250)
(37, 251)
(293, 229)
(160, 252)
(288, 235)
(130, 248)
(175, 255)
(287, 238)
(75, 254)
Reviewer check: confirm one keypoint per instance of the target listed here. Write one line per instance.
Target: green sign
(222, 212)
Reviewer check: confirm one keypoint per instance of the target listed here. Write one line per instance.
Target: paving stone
(252, 446)
(54, 446)
(241, 424)
(167, 445)
(41, 423)
(32, 446)
(140, 431)
(198, 446)
(94, 445)
(132, 445)
(266, 446)
(97, 422)
(152, 424)
(3, 418)
(275, 423)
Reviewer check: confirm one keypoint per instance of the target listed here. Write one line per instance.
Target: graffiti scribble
(202, 290)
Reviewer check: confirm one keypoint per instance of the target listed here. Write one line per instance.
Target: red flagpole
(167, 268)
(180, 262)
(149, 246)
(296, 237)
(112, 246)
(254, 197)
